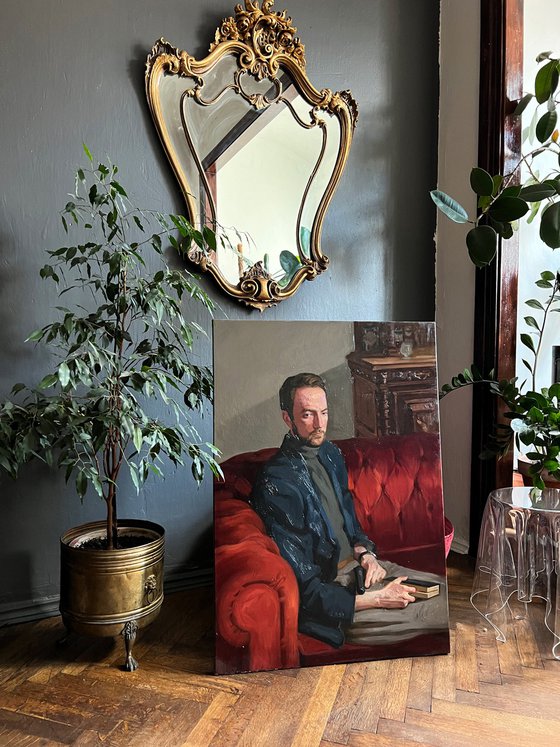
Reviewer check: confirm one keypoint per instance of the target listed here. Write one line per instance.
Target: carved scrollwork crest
(266, 32)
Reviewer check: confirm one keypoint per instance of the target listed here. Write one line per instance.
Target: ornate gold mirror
(257, 150)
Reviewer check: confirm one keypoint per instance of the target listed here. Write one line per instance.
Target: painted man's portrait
(329, 527)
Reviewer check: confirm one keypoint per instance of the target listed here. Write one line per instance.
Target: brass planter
(111, 592)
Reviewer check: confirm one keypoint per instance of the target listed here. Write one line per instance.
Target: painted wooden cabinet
(394, 380)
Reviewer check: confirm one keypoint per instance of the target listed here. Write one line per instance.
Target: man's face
(310, 416)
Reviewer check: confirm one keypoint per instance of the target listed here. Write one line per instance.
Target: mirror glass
(257, 155)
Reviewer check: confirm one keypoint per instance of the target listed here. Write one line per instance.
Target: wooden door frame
(501, 74)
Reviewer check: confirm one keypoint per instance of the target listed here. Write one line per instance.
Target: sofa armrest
(257, 603)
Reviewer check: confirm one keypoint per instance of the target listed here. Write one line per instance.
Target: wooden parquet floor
(484, 693)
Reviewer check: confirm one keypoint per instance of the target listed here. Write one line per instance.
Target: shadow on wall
(23, 502)
(393, 165)
(412, 169)
(15, 352)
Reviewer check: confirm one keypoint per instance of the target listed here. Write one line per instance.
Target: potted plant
(502, 200)
(505, 198)
(533, 416)
(125, 346)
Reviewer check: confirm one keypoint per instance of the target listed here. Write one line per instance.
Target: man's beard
(315, 438)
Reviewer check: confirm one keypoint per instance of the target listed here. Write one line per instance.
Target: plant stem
(551, 300)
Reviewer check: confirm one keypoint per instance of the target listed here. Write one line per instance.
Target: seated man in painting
(303, 499)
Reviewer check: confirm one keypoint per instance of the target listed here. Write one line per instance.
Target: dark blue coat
(287, 501)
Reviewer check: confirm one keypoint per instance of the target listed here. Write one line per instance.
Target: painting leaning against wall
(328, 525)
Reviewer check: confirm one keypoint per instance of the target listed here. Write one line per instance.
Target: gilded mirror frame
(265, 44)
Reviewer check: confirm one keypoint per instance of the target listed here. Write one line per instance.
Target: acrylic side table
(519, 558)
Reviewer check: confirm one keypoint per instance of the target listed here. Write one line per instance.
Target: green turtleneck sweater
(325, 491)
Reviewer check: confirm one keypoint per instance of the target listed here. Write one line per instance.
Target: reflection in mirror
(257, 150)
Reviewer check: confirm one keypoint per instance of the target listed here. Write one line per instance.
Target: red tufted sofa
(396, 483)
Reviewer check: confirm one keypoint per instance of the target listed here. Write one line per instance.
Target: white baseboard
(460, 545)
(179, 579)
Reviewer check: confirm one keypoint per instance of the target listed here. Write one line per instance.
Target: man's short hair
(288, 389)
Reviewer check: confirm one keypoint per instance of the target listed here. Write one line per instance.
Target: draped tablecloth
(518, 558)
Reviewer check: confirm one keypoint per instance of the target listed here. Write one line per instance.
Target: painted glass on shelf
(329, 526)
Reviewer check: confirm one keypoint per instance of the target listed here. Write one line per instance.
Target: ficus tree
(127, 346)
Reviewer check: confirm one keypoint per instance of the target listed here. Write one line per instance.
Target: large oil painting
(330, 538)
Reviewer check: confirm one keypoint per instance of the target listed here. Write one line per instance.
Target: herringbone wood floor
(484, 693)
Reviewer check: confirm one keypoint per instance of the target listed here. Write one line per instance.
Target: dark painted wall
(72, 71)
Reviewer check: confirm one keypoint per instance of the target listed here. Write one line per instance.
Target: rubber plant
(502, 200)
(127, 346)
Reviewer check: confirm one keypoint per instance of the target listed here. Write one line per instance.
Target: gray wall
(72, 71)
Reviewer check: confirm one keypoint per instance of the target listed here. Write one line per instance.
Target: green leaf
(532, 322)
(508, 209)
(534, 304)
(137, 438)
(505, 230)
(548, 275)
(64, 374)
(546, 81)
(527, 438)
(550, 226)
(209, 237)
(305, 241)
(36, 335)
(527, 340)
(289, 262)
(81, 483)
(86, 151)
(512, 191)
(523, 103)
(554, 390)
(134, 476)
(47, 381)
(537, 192)
(118, 188)
(535, 415)
(449, 206)
(482, 242)
(546, 126)
(552, 182)
(481, 182)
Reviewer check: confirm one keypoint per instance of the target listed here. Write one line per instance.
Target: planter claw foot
(129, 634)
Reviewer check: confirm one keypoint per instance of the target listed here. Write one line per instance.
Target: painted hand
(374, 572)
(395, 595)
